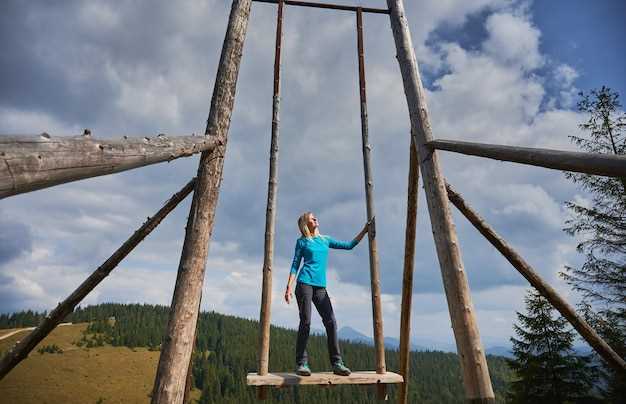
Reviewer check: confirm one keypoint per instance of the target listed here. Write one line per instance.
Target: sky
(497, 71)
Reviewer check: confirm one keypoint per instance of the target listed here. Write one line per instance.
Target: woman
(311, 287)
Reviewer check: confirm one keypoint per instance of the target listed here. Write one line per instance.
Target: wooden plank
(407, 276)
(322, 378)
(547, 291)
(476, 380)
(29, 163)
(169, 385)
(21, 350)
(589, 163)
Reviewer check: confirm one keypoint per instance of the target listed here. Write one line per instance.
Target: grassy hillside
(79, 375)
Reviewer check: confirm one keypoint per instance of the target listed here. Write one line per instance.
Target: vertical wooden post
(407, 277)
(476, 379)
(379, 344)
(169, 386)
(270, 215)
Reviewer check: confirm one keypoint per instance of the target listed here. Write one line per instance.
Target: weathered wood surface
(475, 373)
(327, 6)
(566, 310)
(270, 213)
(189, 381)
(589, 163)
(21, 350)
(169, 386)
(323, 378)
(377, 307)
(407, 277)
(28, 163)
(377, 311)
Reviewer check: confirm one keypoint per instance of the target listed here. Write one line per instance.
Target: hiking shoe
(340, 369)
(303, 370)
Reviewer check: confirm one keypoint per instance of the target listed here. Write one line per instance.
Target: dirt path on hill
(24, 329)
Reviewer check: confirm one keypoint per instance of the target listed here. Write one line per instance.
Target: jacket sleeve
(341, 245)
(297, 257)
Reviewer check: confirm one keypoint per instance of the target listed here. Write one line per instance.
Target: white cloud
(513, 41)
(550, 129)
(98, 17)
(481, 99)
(18, 121)
(432, 14)
(528, 200)
(565, 76)
(144, 95)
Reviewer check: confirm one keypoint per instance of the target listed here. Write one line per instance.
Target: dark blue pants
(305, 294)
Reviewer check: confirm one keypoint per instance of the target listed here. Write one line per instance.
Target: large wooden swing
(28, 164)
(263, 378)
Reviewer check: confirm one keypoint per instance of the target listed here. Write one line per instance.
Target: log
(566, 310)
(379, 345)
(327, 6)
(377, 307)
(169, 385)
(21, 350)
(407, 277)
(270, 214)
(589, 163)
(29, 163)
(476, 381)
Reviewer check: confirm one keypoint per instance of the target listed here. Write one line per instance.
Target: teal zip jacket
(314, 251)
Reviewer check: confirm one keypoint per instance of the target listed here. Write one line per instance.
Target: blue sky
(496, 71)
(588, 36)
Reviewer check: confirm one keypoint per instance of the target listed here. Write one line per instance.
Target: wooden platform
(322, 378)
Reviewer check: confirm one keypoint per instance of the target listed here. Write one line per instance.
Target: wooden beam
(566, 310)
(29, 163)
(21, 350)
(323, 378)
(589, 163)
(327, 6)
(407, 277)
(270, 214)
(169, 385)
(379, 344)
(474, 369)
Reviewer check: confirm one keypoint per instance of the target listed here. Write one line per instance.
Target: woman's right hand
(288, 295)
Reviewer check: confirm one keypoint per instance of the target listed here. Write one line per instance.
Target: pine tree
(601, 224)
(548, 371)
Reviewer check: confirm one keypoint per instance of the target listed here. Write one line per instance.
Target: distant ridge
(350, 334)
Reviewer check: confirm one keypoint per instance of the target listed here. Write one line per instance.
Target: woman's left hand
(366, 228)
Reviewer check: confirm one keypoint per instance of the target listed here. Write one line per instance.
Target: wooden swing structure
(36, 162)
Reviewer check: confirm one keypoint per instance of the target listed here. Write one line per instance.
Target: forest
(226, 351)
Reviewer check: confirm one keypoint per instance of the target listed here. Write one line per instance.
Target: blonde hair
(304, 229)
